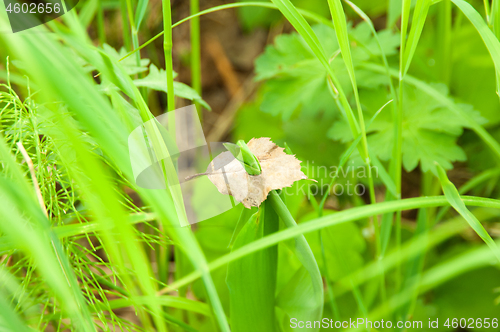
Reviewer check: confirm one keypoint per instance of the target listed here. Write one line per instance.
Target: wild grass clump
(404, 92)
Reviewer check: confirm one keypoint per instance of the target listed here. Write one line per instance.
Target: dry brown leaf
(279, 170)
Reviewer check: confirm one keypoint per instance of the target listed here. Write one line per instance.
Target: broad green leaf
(344, 247)
(472, 121)
(478, 286)
(290, 68)
(244, 216)
(430, 130)
(252, 280)
(130, 65)
(303, 296)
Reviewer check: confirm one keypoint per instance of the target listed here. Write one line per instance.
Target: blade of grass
(39, 240)
(125, 24)
(345, 157)
(469, 185)
(330, 220)
(307, 14)
(9, 319)
(167, 301)
(314, 284)
(453, 196)
(418, 20)
(252, 280)
(81, 229)
(489, 38)
(97, 115)
(411, 249)
(340, 24)
(140, 12)
(305, 31)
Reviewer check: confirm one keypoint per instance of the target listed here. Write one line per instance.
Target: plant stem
(135, 43)
(304, 252)
(195, 52)
(398, 130)
(307, 14)
(167, 48)
(101, 32)
(125, 24)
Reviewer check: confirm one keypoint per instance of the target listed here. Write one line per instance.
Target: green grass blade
(453, 196)
(350, 215)
(340, 24)
(101, 32)
(419, 16)
(93, 110)
(252, 280)
(140, 12)
(167, 301)
(303, 296)
(489, 38)
(345, 157)
(469, 185)
(304, 29)
(9, 319)
(307, 14)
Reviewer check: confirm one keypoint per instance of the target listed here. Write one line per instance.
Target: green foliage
(156, 80)
(453, 196)
(430, 131)
(290, 69)
(253, 17)
(242, 153)
(344, 246)
(83, 248)
(252, 280)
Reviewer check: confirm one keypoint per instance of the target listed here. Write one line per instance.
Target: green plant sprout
(242, 153)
